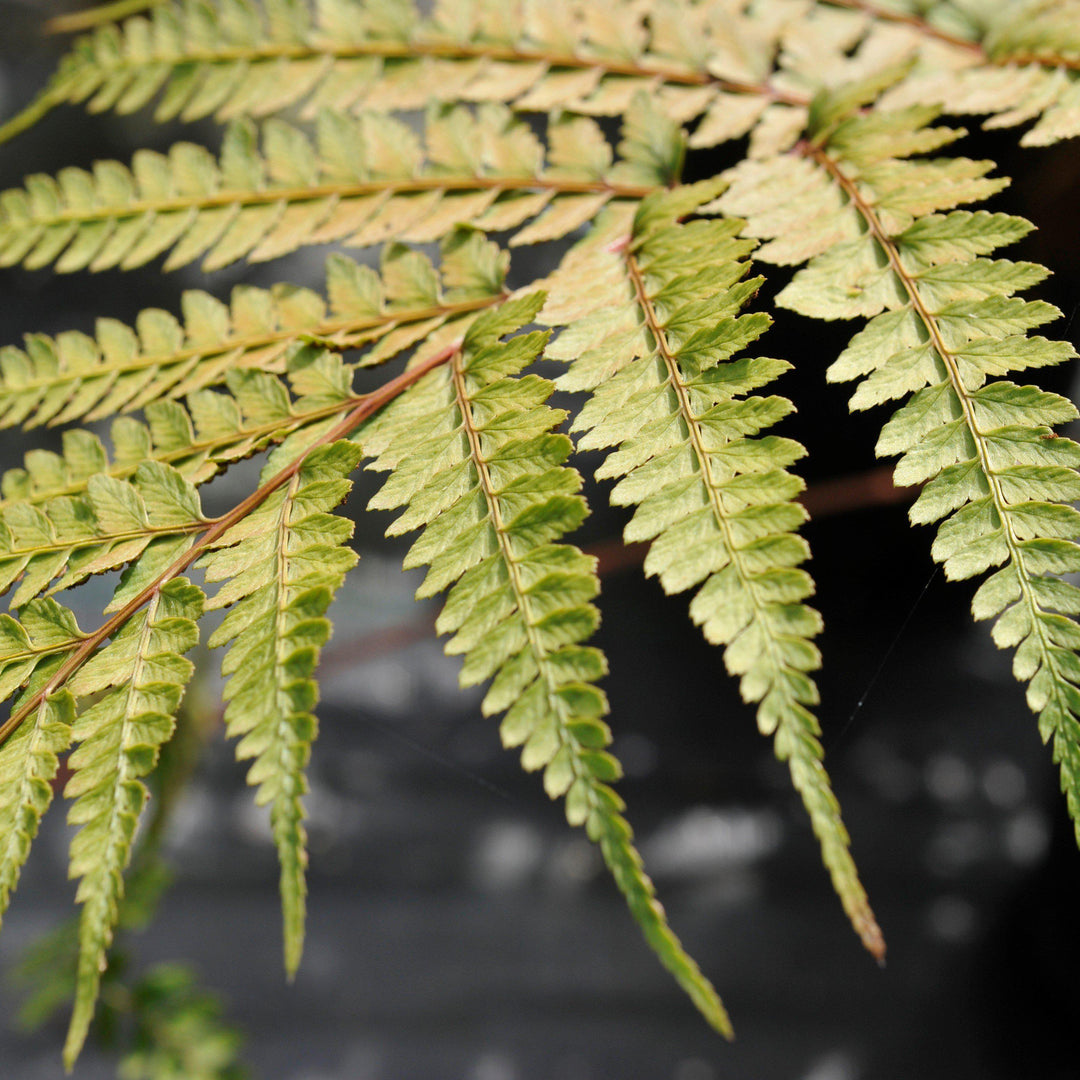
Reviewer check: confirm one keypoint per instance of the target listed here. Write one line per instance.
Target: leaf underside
(375, 124)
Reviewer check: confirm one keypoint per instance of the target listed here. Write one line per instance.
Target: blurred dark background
(459, 930)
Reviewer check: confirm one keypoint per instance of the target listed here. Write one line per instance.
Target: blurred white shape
(250, 823)
(704, 840)
(331, 819)
(385, 685)
(362, 1062)
(951, 919)
(507, 854)
(395, 683)
(835, 1065)
(574, 1067)
(949, 778)
(1026, 837)
(494, 1065)
(1004, 783)
(192, 818)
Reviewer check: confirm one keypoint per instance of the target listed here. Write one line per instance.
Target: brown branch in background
(857, 491)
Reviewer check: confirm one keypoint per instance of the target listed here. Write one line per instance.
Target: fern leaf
(653, 338)
(53, 492)
(281, 566)
(45, 630)
(179, 1030)
(74, 376)
(239, 60)
(1021, 64)
(113, 524)
(944, 326)
(142, 673)
(28, 765)
(362, 182)
(494, 498)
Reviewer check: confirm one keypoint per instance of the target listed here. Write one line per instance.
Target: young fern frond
(944, 325)
(652, 309)
(494, 498)
(281, 566)
(361, 182)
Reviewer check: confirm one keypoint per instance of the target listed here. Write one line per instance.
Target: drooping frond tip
(652, 335)
(281, 566)
(475, 463)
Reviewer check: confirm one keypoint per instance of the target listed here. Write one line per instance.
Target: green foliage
(848, 177)
(362, 182)
(475, 463)
(714, 500)
(281, 565)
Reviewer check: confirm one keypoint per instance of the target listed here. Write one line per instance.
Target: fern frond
(1019, 62)
(652, 338)
(142, 673)
(945, 324)
(56, 631)
(28, 765)
(75, 376)
(493, 497)
(237, 60)
(361, 182)
(150, 519)
(281, 566)
(179, 1031)
(216, 427)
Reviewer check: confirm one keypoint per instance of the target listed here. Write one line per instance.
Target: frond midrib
(76, 543)
(686, 412)
(391, 50)
(509, 559)
(314, 192)
(114, 858)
